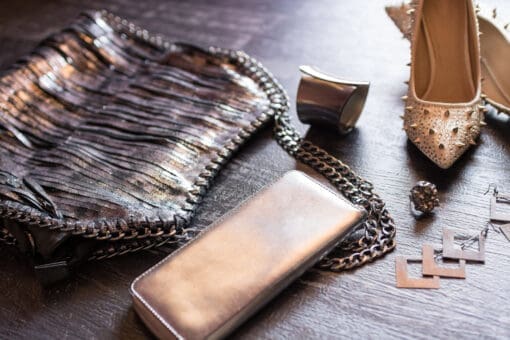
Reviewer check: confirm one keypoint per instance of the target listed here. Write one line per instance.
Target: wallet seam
(211, 226)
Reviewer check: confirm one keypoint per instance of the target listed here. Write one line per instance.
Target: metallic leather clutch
(215, 282)
(110, 136)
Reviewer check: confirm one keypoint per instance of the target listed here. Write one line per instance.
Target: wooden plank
(350, 38)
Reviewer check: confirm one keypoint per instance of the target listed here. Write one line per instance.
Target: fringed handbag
(110, 136)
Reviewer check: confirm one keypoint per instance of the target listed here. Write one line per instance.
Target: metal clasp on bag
(324, 99)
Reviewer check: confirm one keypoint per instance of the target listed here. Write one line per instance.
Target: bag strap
(373, 238)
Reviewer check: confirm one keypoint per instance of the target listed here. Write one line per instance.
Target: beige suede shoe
(443, 113)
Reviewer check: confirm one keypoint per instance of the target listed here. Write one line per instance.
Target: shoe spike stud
(455, 130)
(447, 113)
(494, 13)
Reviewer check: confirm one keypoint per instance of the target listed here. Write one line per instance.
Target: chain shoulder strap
(373, 238)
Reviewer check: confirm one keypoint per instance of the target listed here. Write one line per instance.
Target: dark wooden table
(351, 38)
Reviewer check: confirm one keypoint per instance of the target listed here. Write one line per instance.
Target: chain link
(378, 236)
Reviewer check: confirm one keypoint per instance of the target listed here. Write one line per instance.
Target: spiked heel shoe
(443, 111)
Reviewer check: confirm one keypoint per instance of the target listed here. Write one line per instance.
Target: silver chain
(376, 236)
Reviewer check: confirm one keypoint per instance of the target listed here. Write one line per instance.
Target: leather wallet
(214, 283)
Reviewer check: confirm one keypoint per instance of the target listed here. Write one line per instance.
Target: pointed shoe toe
(442, 133)
(443, 113)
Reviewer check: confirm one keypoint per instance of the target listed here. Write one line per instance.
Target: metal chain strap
(378, 231)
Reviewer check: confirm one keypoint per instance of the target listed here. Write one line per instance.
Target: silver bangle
(324, 99)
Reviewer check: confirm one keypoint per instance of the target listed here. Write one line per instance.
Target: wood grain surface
(354, 39)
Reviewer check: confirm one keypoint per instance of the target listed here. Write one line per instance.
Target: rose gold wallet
(210, 286)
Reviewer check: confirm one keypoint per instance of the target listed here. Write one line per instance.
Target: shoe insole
(444, 62)
(495, 63)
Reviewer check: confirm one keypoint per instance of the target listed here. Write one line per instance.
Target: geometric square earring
(451, 251)
(498, 215)
(505, 229)
(404, 281)
(430, 267)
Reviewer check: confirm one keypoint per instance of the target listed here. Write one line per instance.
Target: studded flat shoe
(443, 112)
(495, 51)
